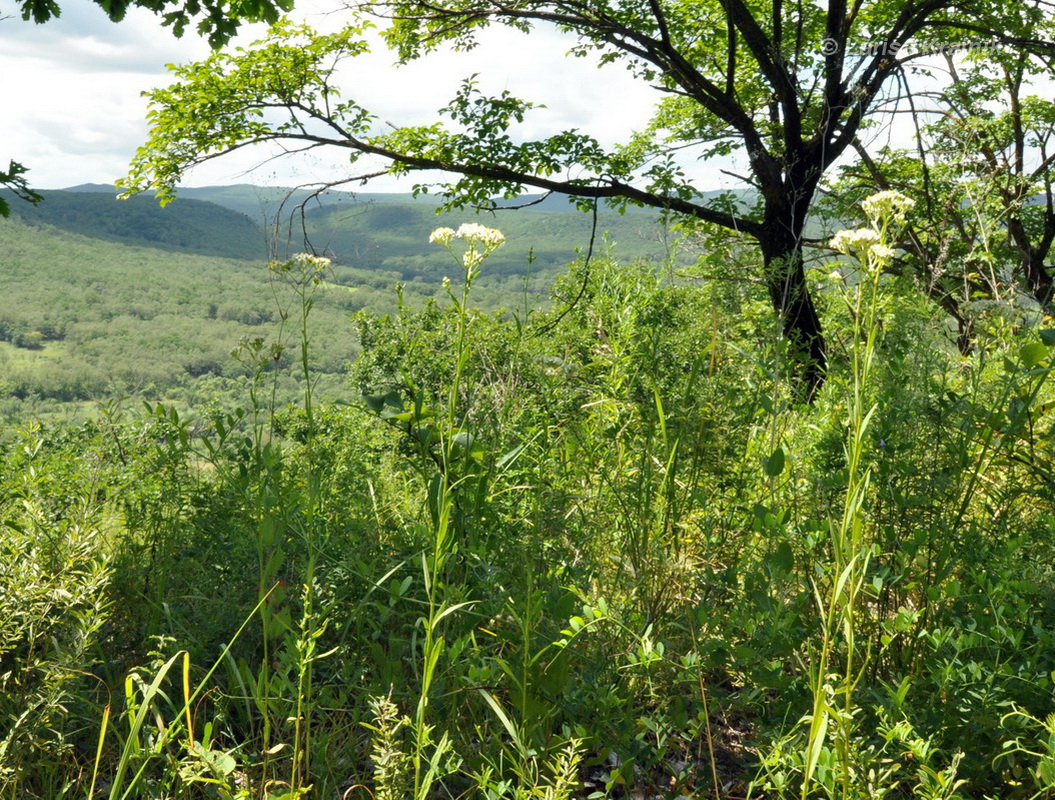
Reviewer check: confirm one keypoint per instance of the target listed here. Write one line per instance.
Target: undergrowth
(600, 550)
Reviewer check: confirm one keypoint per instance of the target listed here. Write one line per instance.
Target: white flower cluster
(859, 241)
(304, 263)
(887, 206)
(869, 244)
(488, 237)
(442, 235)
(481, 242)
(471, 232)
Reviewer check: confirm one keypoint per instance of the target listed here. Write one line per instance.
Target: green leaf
(774, 465)
(507, 723)
(1033, 353)
(13, 179)
(375, 402)
(218, 762)
(782, 559)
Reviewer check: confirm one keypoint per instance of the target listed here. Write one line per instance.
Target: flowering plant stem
(429, 757)
(852, 546)
(304, 274)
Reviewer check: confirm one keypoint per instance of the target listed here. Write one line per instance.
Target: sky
(73, 111)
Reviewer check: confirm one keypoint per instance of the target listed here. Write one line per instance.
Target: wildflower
(446, 283)
(882, 252)
(472, 259)
(305, 263)
(473, 232)
(835, 276)
(310, 260)
(859, 241)
(442, 235)
(888, 205)
(480, 242)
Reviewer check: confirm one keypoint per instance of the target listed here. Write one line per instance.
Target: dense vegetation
(595, 549)
(105, 299)
(196, 227)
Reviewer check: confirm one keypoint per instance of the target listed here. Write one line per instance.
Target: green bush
(54, 581)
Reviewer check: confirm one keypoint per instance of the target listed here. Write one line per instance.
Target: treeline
(189, 226)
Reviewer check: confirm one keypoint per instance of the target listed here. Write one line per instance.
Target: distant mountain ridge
(374, 231)
(259, 201)
(188, 226)
(255, 201)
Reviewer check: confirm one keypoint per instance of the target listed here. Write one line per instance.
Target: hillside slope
(85, 319)
(186, 226)
(381, 231)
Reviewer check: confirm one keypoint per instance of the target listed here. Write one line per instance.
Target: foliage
(984, 221)
(14, 179)
(595, 549)
(218, 19)
(54, 580)
(788, 86)
(84, 321)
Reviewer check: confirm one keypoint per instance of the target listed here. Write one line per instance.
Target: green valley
(103, 299)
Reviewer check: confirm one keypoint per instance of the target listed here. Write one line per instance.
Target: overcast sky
(73, 111)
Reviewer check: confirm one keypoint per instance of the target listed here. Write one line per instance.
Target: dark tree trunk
(1039, 279)
(785, 276)
(1031, 256)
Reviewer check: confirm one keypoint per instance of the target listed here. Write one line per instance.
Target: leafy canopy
(217, 19)
(789, 86)
(980, 171)
(14, 178)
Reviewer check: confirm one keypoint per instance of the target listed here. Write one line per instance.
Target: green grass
(595, 550)
(12, 357)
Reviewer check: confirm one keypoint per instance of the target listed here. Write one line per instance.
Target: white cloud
(75, 113)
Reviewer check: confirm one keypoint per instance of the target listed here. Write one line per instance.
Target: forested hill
(101, 298)
(387, 232)
(187, 226)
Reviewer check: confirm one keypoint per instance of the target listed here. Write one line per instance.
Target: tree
(790, 85)
(981, 176)
(217, 19)
(14, 178)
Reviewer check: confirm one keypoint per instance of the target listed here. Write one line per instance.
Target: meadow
(590, 547)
